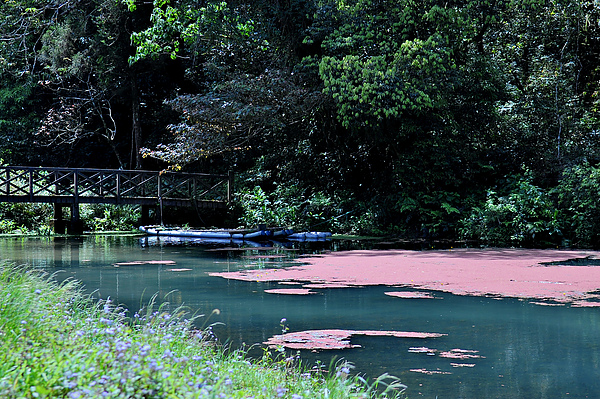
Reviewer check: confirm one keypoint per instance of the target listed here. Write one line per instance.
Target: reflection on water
(527, 351)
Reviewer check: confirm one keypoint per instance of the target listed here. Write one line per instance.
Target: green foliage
(34, 218)
(400, 112)
(106, 217)
(578, 192)
(25, 218)
(59, 50)
(249, 96)
(291, 206)
(389, 60)
(377, 88)
(435, 214)
(14, 97)
(238, 113)
(260, 208)
(363, 220)
(214, 27)
(17, 118)
(518, 213)
(161, 37)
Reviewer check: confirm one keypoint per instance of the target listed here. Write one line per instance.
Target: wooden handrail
(82, 185)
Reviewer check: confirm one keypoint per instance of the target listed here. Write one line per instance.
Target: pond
(513, 348)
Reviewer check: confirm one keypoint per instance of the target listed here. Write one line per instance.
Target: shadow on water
(513, 348)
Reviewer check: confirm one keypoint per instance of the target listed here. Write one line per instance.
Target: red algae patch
(422, 349)
(144, 262)
(290, 291)
(461, 354)
(410, 294)
(326, 285)
(585, 304)
(336, 339)
(398, 334)
(519, 273)
(429, 372)
(313, 339)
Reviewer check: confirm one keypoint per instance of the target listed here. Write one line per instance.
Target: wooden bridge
(68, 187)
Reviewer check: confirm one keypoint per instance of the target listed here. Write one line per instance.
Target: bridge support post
(62, 225)
(59, 224)
(76, 225)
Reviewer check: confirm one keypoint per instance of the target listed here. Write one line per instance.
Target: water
(528, 351)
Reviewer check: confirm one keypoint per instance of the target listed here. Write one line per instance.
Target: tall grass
(57, 342)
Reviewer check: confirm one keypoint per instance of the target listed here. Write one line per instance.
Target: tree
(414, 86)
(22, 26)
(237, 114)
(247, 93)
(84, 57)
(70, 60)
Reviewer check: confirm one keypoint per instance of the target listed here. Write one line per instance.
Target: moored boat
(251, 235)
(215, 234)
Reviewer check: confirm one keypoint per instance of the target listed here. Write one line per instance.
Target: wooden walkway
(69, 187)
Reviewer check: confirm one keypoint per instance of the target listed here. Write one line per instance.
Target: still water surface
(528, 351)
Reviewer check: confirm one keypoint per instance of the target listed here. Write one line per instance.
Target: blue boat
(246, 235)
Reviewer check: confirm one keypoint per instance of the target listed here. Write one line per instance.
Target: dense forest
(422, 119)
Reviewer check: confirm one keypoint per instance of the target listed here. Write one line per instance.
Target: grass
(57, 342)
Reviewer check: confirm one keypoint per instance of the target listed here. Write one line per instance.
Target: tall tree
(85, 67)
(246, 93)
(22, 27)
(549, 66)
(68, 63)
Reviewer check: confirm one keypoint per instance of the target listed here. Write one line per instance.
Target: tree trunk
(136, 129)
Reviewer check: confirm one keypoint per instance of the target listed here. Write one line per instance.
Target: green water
(528, 351)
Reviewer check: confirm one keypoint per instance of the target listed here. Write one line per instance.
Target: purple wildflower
(280, 391)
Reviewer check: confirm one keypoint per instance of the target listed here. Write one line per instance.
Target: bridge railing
(65, 185)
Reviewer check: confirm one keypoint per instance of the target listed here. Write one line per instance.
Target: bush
(260, 208)
(520, 213)
(429, 215)
(288, 205)
(578, 195)
(106, 217)
(25, 218)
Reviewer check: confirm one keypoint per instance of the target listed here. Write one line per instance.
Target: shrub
(258, 208)
(433, 214)
(578, 194)
(520, 213)
(287, 205)
(107, 217)
(24, 218)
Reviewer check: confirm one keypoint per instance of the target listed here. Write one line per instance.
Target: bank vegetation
(57, 342)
